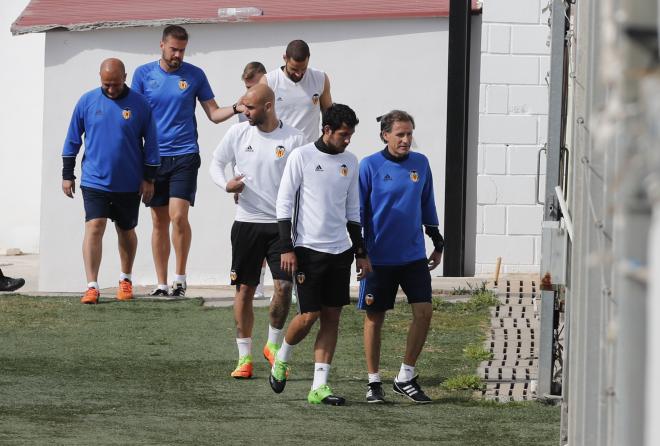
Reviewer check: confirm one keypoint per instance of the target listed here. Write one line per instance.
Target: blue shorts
(176, 178)
(378, 290)
(121, 207)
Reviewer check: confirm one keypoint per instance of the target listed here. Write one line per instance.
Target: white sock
(181, 278)
(406, 373)
(93, 285)
(123, 276)
(274, 335)
(244, 346)
(374, 377)
(162, 286)
(321, 372)
(285, 351)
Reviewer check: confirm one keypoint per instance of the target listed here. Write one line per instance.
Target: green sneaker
(270, 352)
(278, 375)
(324, 395)
(244, 368)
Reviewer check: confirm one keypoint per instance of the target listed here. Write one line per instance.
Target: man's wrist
(234, 107)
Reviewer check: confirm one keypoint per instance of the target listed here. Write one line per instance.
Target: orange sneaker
(91, 296)
(243, 369)
(270, 351)
(125, 290)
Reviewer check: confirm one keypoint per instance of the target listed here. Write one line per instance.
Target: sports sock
(374, 377)
(181, 278)
(123, 276)
(93, 285)
(162, 286)
(406, 373)
(321, 372)
(274, 335)
(244, 346)
(285, 351)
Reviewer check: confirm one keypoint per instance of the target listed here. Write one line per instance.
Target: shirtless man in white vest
(301, 92)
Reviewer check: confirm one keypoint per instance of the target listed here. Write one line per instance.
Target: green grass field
(157, 372)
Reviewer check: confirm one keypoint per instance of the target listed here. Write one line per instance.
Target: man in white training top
(301, 92)
(257, 150)
(318, 208)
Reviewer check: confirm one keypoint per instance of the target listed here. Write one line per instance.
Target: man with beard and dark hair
(173, 88)
(318, 213)
(301, 92)
(119, 166)
(257, 150)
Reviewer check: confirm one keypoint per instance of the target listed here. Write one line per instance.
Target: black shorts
(251, 243)
(176, 178)
(121, 207)
(322, 279)
(378, 290)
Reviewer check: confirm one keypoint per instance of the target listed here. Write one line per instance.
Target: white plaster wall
(22, 80)
(513, 111)
(373, 66)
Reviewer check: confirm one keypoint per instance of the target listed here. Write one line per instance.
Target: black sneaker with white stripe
(375, 393)
(412, 390)
(179, 289)
(159, 292)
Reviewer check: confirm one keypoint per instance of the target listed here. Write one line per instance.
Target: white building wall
(373, 66)
(513, 112)
(22, 80)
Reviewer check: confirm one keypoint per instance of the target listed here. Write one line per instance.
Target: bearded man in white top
(318, 210)
(301, 92)
(257, 150)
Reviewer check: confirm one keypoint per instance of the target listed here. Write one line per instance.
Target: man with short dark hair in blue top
(119, 165)
(173, 88)
(396, 200)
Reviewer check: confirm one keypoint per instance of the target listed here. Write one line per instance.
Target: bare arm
(215, 113)
(326, 98)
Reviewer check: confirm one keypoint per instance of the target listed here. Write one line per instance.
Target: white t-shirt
(259, 156)
(298, 103)
(319, 193)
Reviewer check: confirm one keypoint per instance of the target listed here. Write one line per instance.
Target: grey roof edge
(18, 30)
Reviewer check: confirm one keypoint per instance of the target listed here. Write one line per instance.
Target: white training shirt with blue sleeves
(120, 139)
(173, 96)
(319, 194)
(261, 157)
(396, 200)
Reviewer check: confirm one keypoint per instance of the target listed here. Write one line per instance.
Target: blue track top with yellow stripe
(396, 199)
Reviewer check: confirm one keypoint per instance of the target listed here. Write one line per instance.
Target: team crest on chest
(280, 151)
(300, 277)
(183, 84)
(126, 113)
(343, 170)
(315, 99)
(414, 176)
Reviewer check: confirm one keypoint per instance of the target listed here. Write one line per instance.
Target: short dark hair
(251, 69)
(297, 50)
(389, 118)
(175, 31)
(338, 114)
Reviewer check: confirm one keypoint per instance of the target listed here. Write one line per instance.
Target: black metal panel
(457, 136)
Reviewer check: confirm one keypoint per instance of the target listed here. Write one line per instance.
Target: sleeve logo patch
(343, 170)
(183, 84)
(280, 151)
(126, 113)
(414, 176)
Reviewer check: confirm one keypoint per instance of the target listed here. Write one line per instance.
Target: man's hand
(363, 267)
(69, 187)
(236, 185)
(146, 191)
(434, 260)
(289, 262)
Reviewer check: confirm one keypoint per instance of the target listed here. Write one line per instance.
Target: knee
(245, 293)
(308, 319)
(179, 219)
(282, 289)
(96, 227)
(423, 312)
